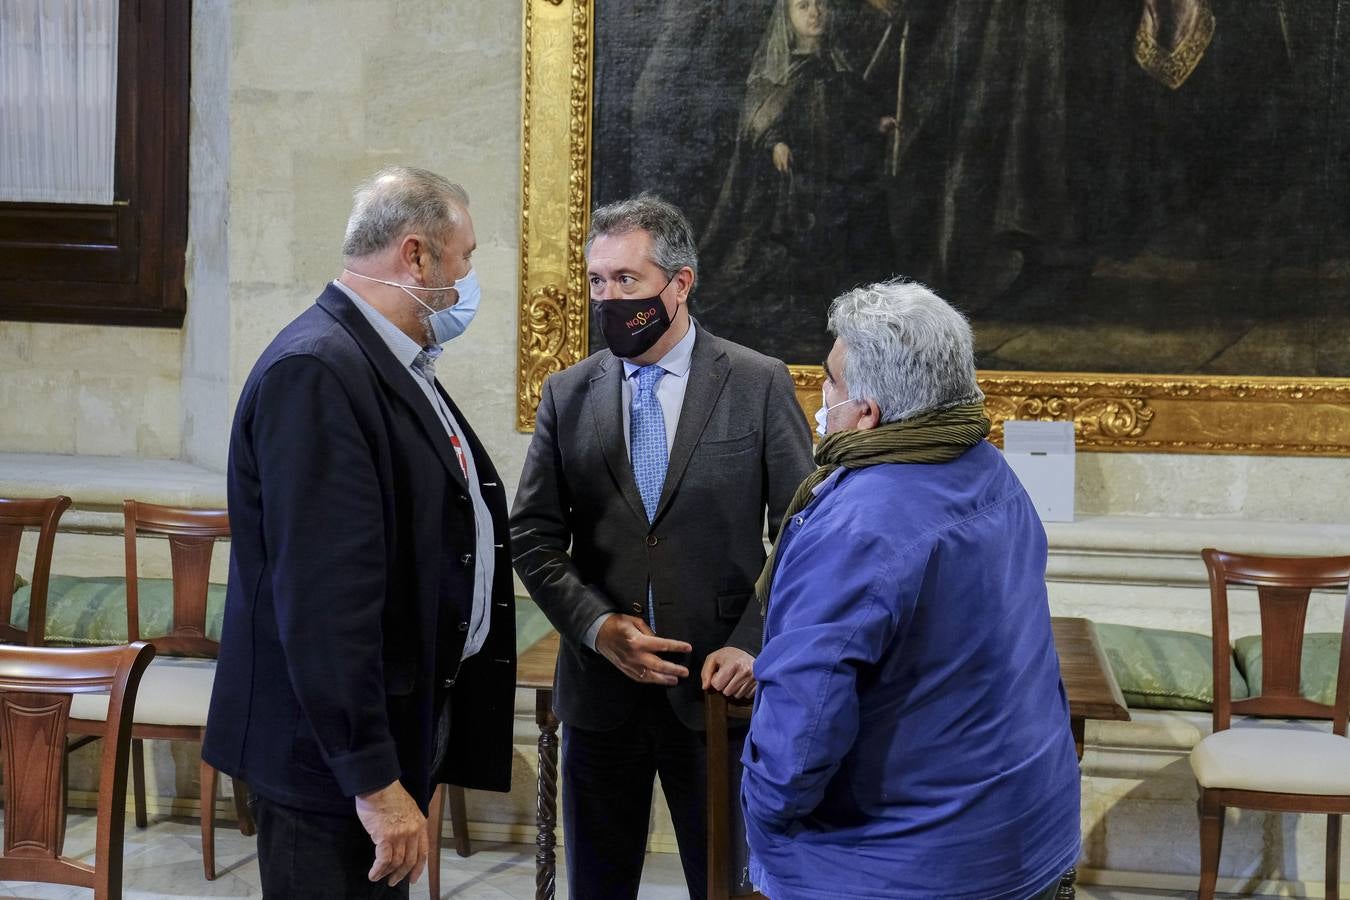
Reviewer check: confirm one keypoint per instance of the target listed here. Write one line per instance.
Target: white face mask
(449, 323)
(823, 414)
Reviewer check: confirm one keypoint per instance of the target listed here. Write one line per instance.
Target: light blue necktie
(647, 443)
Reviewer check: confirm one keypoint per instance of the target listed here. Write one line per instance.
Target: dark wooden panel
(57, 225)
(121, 264)
(100, 268)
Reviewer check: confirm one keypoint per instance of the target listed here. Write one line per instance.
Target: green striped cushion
(94, 610)
(1317, 677)
(1161, 669)
(84, 610)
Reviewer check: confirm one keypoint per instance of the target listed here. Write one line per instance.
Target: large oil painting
(1142, 205)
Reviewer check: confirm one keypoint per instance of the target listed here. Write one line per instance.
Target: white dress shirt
(406, 351)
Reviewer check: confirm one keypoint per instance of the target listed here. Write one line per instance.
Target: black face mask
(632, 327)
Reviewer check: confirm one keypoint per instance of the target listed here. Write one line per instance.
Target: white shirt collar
(677, 359)
(404, 348)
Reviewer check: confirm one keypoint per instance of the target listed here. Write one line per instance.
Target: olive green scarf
(933, 437)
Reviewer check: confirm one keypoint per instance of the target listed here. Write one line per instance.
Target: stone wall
(321, 95)
(206, 332)
(89, 389)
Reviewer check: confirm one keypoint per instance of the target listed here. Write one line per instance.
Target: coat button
(652, 540)
(637, 608)
(463, 498)
(798, 521)
(463, 626)
(466, 559)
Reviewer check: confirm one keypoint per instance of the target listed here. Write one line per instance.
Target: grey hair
(908, 349)
(673, 245)
(397, 201)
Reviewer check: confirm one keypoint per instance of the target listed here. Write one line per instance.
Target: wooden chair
(452, 794)
(1271, 768)
(176, 691)
(726, 834)
(15, 516)
(37, 687)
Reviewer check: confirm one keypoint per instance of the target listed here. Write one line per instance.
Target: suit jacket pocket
(730, 446)
(731, 604)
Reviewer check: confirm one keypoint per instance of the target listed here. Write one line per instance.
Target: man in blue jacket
(910, 738)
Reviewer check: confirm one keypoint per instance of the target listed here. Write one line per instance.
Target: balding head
(397, 201)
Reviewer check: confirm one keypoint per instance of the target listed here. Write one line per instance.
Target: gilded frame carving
(1122, 413)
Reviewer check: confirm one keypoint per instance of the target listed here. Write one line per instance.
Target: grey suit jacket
(582, 542)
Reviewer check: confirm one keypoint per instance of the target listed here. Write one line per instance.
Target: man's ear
(871, 418)
(684, 280)
(413, 252)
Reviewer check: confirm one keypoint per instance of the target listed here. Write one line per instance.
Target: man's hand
(627, 642)
(399, 831)
(730, 671)
(782, 157)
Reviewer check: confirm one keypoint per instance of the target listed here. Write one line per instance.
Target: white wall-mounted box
(1042, 455)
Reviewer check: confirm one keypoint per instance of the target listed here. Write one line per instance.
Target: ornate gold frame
(1160, 413)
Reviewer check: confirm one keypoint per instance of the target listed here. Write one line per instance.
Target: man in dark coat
(368, 650)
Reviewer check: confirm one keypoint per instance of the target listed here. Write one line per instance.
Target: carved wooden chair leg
(245, 816)
(1333, 857)
(1066, 890)
(1211, 846)
(546, 810)
(209, 777)
(138, 780)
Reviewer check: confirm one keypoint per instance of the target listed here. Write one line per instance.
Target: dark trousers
(607, 801)
(305, 855)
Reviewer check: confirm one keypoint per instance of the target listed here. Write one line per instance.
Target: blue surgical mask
(448, 324)
(823, 414)
(445, 324)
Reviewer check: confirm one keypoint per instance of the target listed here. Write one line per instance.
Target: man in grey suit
(638, 528)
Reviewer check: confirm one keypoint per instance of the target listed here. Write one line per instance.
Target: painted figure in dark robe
(801, 215)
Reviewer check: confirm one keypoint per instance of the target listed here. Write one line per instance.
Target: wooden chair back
(192, 536)
(36, 685)
(1284, 586)
(725, 838)
(15, 516)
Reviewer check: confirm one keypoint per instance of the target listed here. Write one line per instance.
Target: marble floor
(164, 860)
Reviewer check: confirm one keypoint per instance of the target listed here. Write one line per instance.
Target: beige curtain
(58, 100)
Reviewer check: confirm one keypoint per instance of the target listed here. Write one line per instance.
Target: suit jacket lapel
(395, 377)
(606, 396)
(707, 377)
